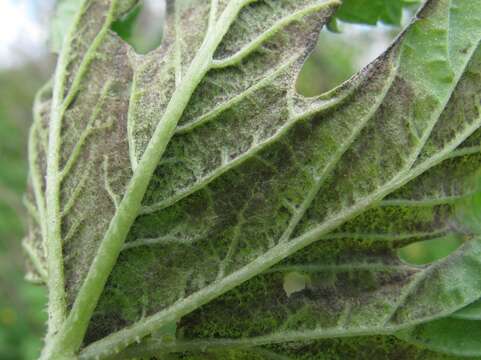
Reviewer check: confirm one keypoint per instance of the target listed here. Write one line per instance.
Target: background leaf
(452, 336)
(372, 11)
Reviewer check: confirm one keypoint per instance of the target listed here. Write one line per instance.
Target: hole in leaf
(295, 282)
(425, 252)
(345, 48)
(142, 27)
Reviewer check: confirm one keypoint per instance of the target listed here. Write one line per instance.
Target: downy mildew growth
(172, 194)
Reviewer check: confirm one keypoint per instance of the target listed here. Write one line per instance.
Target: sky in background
(23, 30)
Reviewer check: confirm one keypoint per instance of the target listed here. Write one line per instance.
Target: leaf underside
(258, 183)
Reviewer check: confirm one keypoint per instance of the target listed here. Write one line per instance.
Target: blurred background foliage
(22, 304)
(341, 51)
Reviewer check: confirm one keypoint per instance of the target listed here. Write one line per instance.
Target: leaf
(470, 312)
(196, 167)
(371, 11)
(452, 336)
(88, 51)
(199, 256)
(33, 244)
(124, 26)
